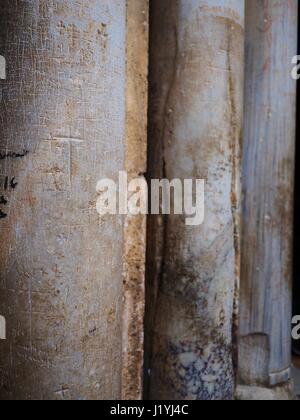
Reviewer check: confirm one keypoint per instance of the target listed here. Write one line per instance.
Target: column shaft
(63, 128)
(269, 148)
(196, 104)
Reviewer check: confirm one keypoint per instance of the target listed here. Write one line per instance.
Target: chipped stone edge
(134, 256)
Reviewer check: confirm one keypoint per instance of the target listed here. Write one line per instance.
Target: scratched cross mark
(9, 184)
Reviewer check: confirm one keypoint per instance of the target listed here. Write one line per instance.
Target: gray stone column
(63, 127)
(269, 148)
(196, 76)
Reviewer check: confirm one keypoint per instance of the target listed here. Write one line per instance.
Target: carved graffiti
(9, 183)
(13, 155)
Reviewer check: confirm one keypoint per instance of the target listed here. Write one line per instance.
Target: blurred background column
(269, 149)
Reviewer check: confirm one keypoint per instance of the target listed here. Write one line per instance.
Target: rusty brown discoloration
(135, 226)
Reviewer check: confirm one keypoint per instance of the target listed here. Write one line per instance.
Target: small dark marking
(3, 200)
(9, 183)
(13, 184)
(13, 155)
(91, 332)
(2, 215)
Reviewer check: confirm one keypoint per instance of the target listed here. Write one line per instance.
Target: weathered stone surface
(196, 104)
(62, 129)
(269, 149)
(252, 393)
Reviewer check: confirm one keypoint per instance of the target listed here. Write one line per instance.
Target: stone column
(269, 149)
(196, 108)
(63, 127)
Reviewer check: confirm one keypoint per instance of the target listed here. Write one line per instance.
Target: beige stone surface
(135, 226)
(63, 127)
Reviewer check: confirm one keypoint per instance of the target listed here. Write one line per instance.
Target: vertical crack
(235, 190)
